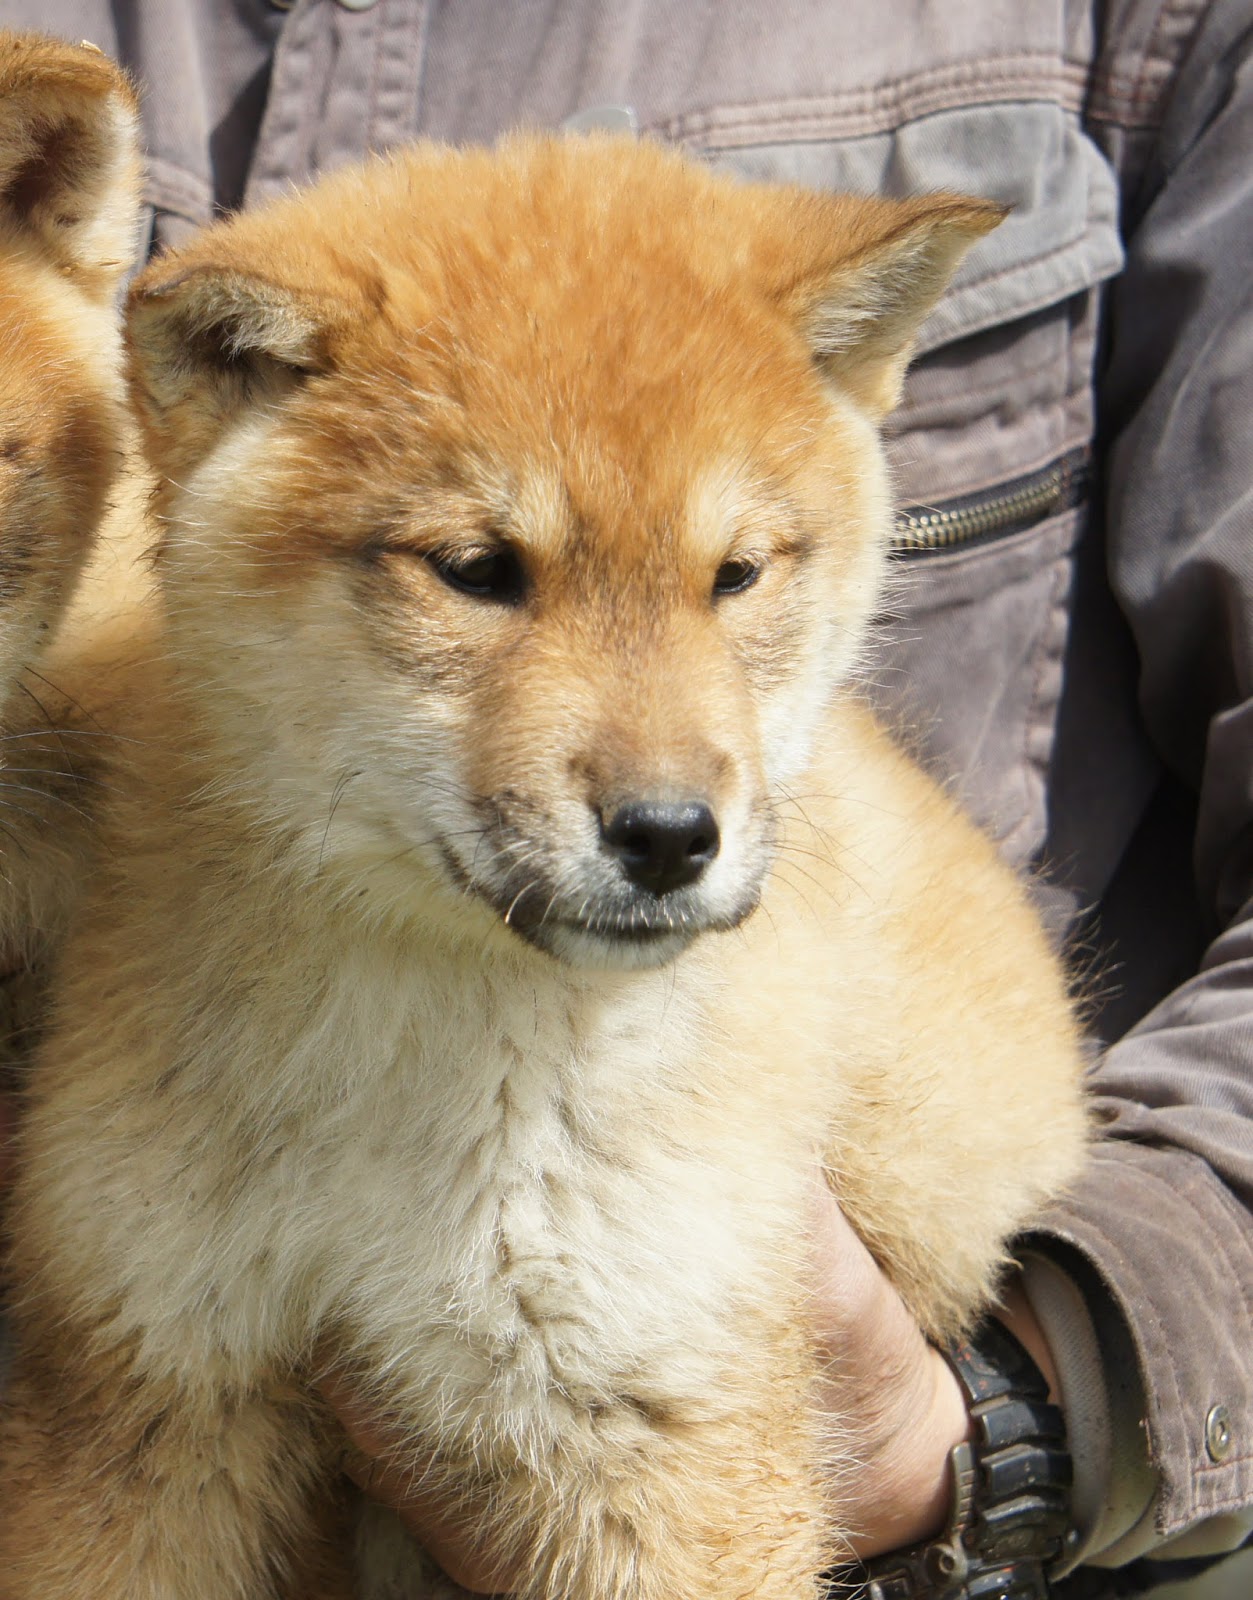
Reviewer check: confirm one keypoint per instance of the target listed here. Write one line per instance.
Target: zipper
(994, 513)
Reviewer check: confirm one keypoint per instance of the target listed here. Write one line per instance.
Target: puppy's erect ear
(861, 276)
(69, 158)
(209, 338)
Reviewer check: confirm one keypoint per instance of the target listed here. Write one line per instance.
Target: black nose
(662, 846)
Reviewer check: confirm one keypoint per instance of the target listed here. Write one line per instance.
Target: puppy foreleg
(729, 1510)
(118, 1490)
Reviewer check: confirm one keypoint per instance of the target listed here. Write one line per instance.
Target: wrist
(1009, 1516)
(912, 1474)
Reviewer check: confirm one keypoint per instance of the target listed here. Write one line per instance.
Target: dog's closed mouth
(538, 916)
(541, 923)
(619, 932)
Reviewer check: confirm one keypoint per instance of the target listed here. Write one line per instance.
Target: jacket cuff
(1172, 1249)
(1099, 1392)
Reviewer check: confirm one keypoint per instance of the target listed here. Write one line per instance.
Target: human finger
(377, 1464)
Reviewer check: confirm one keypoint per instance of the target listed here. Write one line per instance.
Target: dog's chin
(640, 950)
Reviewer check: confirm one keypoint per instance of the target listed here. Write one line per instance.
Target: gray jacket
(1070, 637)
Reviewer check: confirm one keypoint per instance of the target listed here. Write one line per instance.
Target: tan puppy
(69, 201)
(510, 903)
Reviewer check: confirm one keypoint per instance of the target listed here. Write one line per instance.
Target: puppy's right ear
(69, 158)
(857, 277)
(209, 339)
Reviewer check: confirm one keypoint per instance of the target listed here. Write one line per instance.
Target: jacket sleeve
(1162, 1221)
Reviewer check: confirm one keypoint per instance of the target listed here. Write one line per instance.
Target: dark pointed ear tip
(984, 215)
(965, 215)
(200, 276)
(181, 311)
(157, 281)
(168, 276)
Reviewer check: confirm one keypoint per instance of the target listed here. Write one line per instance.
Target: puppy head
(525, 509)
(69, 200)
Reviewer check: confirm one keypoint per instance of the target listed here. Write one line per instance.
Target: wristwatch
(1010, 1513)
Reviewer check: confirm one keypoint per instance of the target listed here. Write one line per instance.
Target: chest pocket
(990, 447)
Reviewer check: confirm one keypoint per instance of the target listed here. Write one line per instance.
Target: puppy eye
(494, 575)
(736, 575)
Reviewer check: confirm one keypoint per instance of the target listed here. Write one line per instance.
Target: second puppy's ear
(861, 281)
(69, 158)
(210, 339)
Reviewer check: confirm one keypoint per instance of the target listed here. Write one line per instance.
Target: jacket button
(1218, 1439)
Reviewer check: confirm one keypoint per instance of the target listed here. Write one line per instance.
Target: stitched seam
(1190, 12)
(1130, 1279)
(1243, 1284)
(1003, 384)
(1015, 267)
(1028, 766)
(991, 70)
(282, 124)
(816, 126)
(982, 483)
(1132, 95)
(1144, 93)
(1141, 92)
(311, 110)
(1148, 56)
(899, 100)
(1133, 1279)
(1125, 117)
(379, 27)
(421, 43)
(1118, 85)
(1229, 1268)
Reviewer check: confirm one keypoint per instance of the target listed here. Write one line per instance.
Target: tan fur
(362, 1053)
(69, 200)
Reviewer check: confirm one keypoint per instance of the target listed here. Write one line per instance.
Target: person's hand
(885, 1382)
(894, 1389)
(895, 1397)
(373, 1465)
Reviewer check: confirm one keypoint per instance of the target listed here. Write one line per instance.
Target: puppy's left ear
(69, 158)
(219, 328)
(861, 276)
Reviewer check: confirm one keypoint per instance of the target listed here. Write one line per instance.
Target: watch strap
(1009, 1512)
